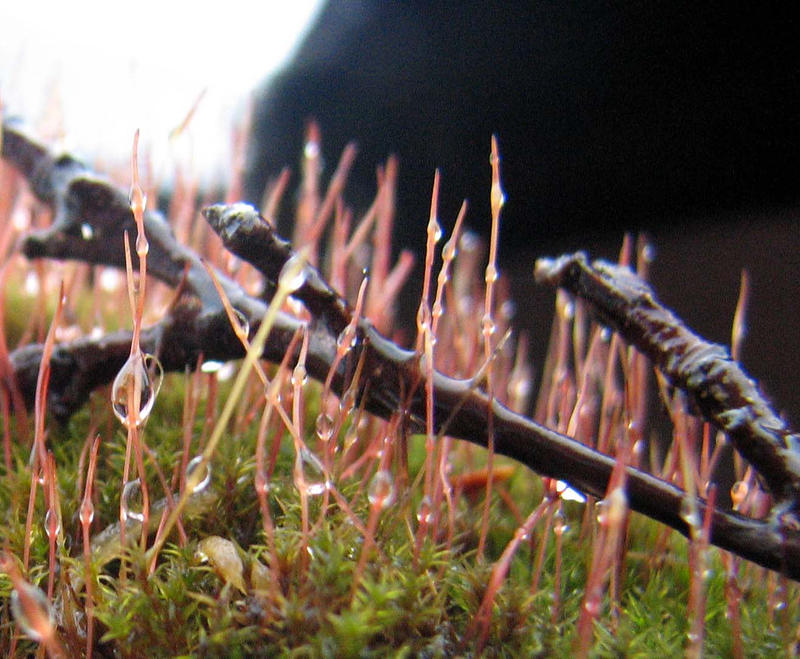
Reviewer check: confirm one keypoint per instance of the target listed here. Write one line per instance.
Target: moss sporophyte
(303, 483)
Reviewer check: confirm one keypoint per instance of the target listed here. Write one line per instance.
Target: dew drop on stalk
(689, 514)
(347, 339)
(262, 484)
(142, 246)
(324, 426)
(196, 479)
(87, 512)
(739, 493)
(488, 325)
(601, 512)
(425, 510)
(52, 524)
(244, 324)
(134, 378)
(131, 503)
(32, 611)
(381, 489)
(449, 251)
(560, 526)
(299, 376)
(293, 273)
(347, 402)
(491, 274)
(87, 232)
(313, 474)
(311, 149)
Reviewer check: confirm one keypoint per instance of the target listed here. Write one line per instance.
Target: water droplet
(488, 325)
(349, 441)
(605, 335)
(491, 273)
(87, 512)
(324, 426)
(381, 489)
(211, 366)
(134, 380)
(568, 493)
(347, 339)
(52, 524)
(689, 514)
(262, 484)
(142, 246)
(131, 503)
(498, 197)
(601, 512)
(31, 284)
(32, 611)
(87, 232)
(110, 280)
(244, 324)
(592, 607)
(560, 526)
(313, 474)
(739, 493)
(20, 218)
(311, 149)
(425, 510)
(293, 273)
(198, 476)
(347, 402)
(299, 376)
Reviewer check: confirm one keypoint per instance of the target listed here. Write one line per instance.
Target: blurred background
(679, 119)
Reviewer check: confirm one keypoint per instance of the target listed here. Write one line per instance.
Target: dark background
(679, 119)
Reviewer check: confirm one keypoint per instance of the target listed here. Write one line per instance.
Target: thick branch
(391, 377)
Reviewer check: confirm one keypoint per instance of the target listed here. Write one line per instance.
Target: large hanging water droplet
(131, 502)
(197, 476)
(32, 611)
(313, 474)
(381, 489)
(134, 382)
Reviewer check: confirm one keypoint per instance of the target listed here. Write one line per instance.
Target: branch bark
(390, 381)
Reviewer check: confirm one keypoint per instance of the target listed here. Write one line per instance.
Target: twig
(717, 385)
(390, 378)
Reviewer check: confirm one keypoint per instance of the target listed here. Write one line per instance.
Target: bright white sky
(113, 67)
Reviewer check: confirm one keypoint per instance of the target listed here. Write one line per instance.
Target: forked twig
(390, 379)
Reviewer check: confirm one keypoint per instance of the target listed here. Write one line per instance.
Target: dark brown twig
(390, 379)
(716, 384)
